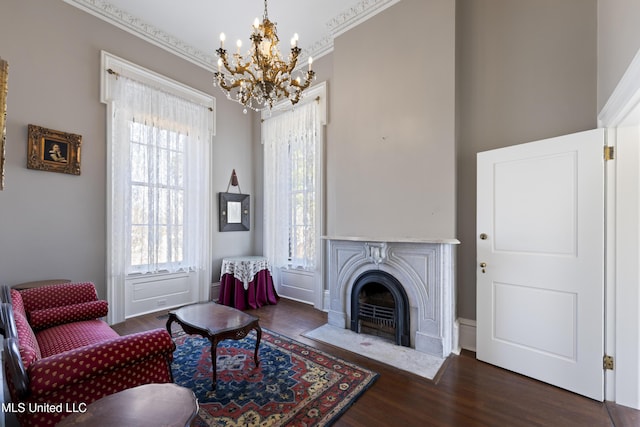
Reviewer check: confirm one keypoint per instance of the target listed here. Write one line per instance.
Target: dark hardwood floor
(465, 393)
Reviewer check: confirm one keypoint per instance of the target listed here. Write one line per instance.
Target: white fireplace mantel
(424, 267)
(394, 240)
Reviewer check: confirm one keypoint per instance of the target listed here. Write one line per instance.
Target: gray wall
(52, 224)
(526, 71)
(391, 141)
(522, 71)
(618, 43)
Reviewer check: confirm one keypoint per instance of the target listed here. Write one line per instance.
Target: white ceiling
(191, 28)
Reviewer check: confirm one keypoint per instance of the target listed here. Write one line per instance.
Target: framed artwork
(4, 80)
(53, 150)
(234, 212)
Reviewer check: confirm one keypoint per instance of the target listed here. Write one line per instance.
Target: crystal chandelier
(264, 78)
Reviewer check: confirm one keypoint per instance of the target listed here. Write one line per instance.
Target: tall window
(159, 134)
(157, 189)
(302, 194)
(159, 178)
(291, 187)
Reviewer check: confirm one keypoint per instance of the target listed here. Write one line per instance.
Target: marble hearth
(425, 269)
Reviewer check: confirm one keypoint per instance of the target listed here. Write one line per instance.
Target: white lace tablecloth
(244, 268)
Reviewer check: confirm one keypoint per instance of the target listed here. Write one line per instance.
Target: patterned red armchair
(59, 354)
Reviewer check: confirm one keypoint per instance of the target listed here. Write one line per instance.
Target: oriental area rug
(294, 384)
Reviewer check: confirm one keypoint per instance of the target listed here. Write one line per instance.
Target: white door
(540, 254)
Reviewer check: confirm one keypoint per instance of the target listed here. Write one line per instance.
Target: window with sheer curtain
(291, 187)
(157, 188)
(160, 150)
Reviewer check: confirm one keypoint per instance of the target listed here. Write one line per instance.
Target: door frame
(621, 117)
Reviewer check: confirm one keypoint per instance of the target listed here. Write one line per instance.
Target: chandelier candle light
(264, 78)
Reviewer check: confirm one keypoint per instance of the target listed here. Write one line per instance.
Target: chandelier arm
(307, 82)
(222, 55)
(282, 66)
(295, 52)
(238, 82)
(239, 69)
(253, 79)
(223, 84)
(295, 99)
(240, 66)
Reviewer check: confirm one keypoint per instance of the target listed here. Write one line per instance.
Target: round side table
(149, 405)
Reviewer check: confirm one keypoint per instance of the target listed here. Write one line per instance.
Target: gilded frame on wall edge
(4, 86)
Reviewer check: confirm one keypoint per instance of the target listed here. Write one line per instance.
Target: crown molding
(357, 14)
(106, 11)
(136, 26)
(318, 49)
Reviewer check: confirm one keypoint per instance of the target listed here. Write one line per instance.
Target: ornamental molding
(318, 49)
(136, 26)
(106, 11)
(356, 15)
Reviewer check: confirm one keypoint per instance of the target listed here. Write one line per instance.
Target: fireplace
(401, 289)
(379, 306)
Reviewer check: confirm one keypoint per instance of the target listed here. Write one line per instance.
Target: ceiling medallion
(264, 78)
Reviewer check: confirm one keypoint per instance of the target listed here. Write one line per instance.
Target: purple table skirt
(261, 291)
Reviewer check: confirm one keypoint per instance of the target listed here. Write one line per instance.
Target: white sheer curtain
(290, 182)
(159, 208)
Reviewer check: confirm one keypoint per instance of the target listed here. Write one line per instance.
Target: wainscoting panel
(297, 285)
(149, 294)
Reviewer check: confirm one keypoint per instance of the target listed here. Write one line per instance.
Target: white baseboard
(467, 337)
(215, 291)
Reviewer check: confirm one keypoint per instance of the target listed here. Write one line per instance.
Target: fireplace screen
(379, 306)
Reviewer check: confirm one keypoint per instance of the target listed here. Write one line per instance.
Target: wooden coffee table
(217, 323)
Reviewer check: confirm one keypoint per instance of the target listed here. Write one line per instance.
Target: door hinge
(608, 153)
(607, 362)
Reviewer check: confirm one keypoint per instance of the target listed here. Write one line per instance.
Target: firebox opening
(377, 311)
(379, 306)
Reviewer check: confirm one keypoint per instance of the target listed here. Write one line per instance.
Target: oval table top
(149, 405)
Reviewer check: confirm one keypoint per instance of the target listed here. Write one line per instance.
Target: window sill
(157, 275)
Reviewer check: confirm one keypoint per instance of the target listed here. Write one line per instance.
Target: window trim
(151, 78)
(316, 93)
(116, 292)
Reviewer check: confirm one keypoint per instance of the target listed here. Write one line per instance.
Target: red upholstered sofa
(60, 356)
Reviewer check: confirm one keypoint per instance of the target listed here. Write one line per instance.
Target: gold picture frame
(53, 150)
(4, 87)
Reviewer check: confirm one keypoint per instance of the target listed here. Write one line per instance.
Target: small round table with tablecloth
(246, 283)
